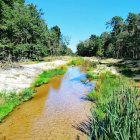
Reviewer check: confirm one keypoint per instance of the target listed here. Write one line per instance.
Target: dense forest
(25, 35)
(123, 41)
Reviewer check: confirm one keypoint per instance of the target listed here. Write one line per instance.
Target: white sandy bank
(17, 79)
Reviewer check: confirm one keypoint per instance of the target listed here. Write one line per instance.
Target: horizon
(79, 19)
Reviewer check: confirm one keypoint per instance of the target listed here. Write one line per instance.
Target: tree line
(25, 35)
(123, 41)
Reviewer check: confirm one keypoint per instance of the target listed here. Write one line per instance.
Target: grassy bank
(8, 101)
(116, 115)
(46, 76)
(116, 98)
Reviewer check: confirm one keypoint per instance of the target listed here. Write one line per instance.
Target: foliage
(46, 76)
(122, 42)
(89, 64)
(11, 100)
(27, 94)
(116, 115)
(92, 76)
(25, 35)
(77, 62)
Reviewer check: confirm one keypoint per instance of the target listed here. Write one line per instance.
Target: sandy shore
(17, 79)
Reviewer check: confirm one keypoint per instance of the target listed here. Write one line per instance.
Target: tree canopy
(25, 35)
(122, 42)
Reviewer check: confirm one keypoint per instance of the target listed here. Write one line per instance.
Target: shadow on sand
(129, 68)
(86, 128)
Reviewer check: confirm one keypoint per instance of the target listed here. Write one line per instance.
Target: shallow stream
(53, 112)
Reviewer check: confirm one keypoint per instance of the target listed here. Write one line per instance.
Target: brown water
(51, 114)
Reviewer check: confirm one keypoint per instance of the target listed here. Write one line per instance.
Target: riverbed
(52, 113)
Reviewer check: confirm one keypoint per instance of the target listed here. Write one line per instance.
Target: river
(52, 113)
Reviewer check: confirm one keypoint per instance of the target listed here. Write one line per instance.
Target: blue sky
(78, 19)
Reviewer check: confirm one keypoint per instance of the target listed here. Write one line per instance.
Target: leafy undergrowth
(8, 101)
(116, 115)
(46, 76)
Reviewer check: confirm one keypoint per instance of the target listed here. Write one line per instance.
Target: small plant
(27, 94)
(94, 64)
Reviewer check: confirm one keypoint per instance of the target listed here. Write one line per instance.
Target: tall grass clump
(91, 76)
(90, 64)
(46, 76)
(83, 62)
(116, 115)
(106, 83)
(77, 62)
(8, 101)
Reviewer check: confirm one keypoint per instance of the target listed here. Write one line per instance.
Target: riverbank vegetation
(9, 101)
(121, 42)
(24, 33)
(46, 76)
(115, 111)
(116, 115)
(80, 61)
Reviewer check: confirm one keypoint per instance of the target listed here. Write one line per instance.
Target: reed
(116, 115)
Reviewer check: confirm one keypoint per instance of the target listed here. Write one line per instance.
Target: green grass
(90, 64)
(77, 62)
(46, 76)
(84, 63)
(106, 83)
(92, 76)
(10, 100)
(116, 115)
